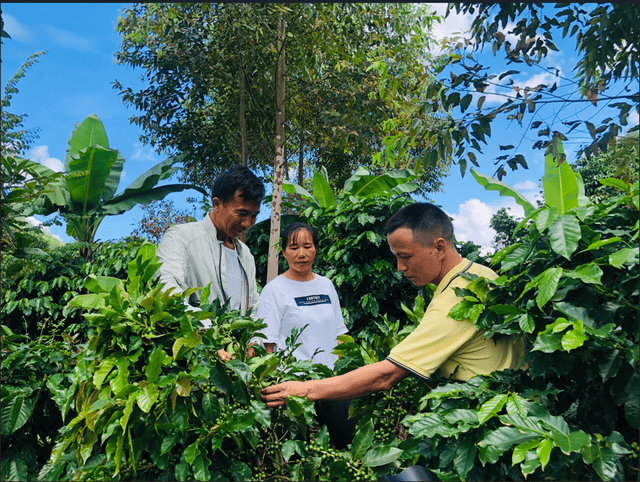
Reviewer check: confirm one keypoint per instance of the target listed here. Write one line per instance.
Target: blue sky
(74, 79)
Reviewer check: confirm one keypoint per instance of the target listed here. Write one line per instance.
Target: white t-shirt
(286, 304)
(234, 278)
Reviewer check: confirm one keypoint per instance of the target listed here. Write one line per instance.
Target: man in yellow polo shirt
(420, 236)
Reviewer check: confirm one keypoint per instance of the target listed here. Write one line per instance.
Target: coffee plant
(151, 401)
(36, 291)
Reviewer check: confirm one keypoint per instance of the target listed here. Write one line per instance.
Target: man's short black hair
(426, 220)
(238, 178)
(294, 228)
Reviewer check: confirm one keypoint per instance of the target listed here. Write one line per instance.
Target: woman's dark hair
(238, 178)
(426, 220)
(292, 229)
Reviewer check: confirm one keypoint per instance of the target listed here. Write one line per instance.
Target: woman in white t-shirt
(300, 297)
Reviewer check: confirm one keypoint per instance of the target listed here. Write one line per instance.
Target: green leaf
(619, 258)
(154, 367)
(603, 242)
(241, 369)
(15, 413)
(516, 255)
(103, 370)
(617, 183)
(201, 465)
(588, 273)
(263, 413)
(101, 284)
(191, 452)
(291, 447)
(363, 184)
(520, 450)
(380, 456)
(362, 440)
(526, 322)
(294, 188)
(546, 217)
(88, 302)
(17, 469)
(322, 437)
(112, 181)
(605, 462)
(548, 343)
(87, 178)
(544, 451)
(573, 339)
(505, 437)
(90, 132)
(491, 407)
(564, 234)
(242, 421)
(548, 285)
(322, 191)
(492, 184)
(465, 456)
(147, 397)
(239, 470)
(130, 197)
(210, 406)
(559, 182)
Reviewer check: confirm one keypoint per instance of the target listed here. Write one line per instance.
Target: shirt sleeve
(268, 311)
(436, 338)
(172, 254)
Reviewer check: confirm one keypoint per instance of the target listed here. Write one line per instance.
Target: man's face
(419, 264)
(235, 216)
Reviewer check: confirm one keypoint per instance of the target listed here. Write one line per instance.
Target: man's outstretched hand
(276, 395)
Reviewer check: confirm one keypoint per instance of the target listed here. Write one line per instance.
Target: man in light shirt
(209, 251)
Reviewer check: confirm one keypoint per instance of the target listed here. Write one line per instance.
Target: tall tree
(194, 54)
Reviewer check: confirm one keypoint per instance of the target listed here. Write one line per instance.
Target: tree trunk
(278, 173)
(242, 121)
(301, 162)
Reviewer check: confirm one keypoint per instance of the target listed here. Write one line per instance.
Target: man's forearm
(357, 383)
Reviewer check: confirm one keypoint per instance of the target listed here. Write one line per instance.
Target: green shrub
(36, 290)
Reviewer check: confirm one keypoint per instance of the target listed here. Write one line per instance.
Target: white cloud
(17, 31)
(141, 153)
(41, 154)
(453, 25)
(526, 186)
(34, 222)
(28, 34)
(471, 223)
(68, 39)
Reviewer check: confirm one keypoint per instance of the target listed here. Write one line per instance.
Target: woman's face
(300, 251)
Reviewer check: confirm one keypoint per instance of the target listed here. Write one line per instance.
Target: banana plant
(86, 194)
(360, 184)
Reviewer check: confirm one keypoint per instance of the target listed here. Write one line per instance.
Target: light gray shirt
(191, 257)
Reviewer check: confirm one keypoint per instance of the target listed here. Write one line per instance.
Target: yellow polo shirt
(456, 348)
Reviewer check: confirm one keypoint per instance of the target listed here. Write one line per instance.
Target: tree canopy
(350, 68)
(606, 77)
